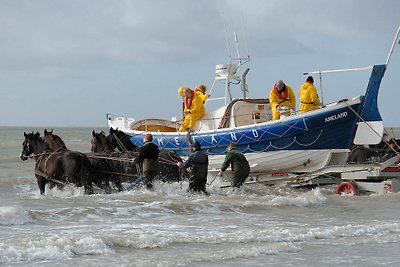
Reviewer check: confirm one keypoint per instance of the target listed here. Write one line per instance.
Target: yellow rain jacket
(194, 110)
(203, 96)
(309, 99)
(201, 91)
(287, 99)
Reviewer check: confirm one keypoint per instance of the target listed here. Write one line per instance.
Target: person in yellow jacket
(194, 110)
(309, 99)
(201, 91)
(281, 95)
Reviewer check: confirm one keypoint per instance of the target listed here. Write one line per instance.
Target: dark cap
(196, 144)
(310, 79)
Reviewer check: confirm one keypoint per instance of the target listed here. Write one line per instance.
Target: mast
(230, 73)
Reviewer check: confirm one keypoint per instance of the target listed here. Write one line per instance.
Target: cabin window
(256, 115)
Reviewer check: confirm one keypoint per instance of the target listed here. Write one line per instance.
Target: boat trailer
(352, 179)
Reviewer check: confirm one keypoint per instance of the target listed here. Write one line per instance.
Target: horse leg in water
(105, 185)
(102, 182)
(87, 181)
(117, 183)
(41, 181)
(77, 169)
(81, 178)
(59, 186)
(114, 179)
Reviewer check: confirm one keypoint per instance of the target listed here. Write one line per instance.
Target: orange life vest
(188, 100)
(283, 95)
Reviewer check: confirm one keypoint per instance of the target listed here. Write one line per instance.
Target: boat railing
(212, 123)
(253, 118)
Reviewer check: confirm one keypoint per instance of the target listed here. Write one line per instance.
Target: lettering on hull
(336, 116)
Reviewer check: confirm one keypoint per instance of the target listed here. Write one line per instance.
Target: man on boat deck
(309, 99)
(281, 95)
(194, 110)
(148, 155)
(201, 91)
(239, 165)
(198, 164)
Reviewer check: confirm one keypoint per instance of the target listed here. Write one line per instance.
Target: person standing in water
(198, 164)
(148, 156)
(239, 165)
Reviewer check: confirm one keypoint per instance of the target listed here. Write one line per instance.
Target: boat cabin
(240, 112)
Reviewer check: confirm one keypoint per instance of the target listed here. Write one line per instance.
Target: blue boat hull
(329, 128)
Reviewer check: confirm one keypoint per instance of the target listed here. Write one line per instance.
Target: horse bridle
(120, 142)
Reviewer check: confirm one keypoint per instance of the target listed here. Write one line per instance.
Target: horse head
(100, 143)
(32, 145)
(119, 139)
(54, 141)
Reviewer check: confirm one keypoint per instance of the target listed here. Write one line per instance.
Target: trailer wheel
(347, 188)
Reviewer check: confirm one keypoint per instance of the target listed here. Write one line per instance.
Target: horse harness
(120, 142)
(44, 174)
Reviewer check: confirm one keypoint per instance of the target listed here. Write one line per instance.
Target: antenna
(226, 37)
(237, 48)
(245, 38)
(320, 87)
(229, 74)
(394, 43)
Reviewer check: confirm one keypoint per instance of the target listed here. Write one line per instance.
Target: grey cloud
(41, 33)
(109, 49)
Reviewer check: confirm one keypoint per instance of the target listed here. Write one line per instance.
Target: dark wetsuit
(148, 155)
(198, 163)
(239, 165)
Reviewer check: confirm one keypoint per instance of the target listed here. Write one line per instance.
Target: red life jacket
(282, 95)
(188, 100)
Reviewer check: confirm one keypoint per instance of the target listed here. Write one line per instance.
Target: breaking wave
(242, 242)
(53, 247)
(14, 216)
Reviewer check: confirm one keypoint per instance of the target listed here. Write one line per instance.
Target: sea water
(256, 225)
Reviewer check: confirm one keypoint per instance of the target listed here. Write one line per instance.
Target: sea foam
(52, 247)
(14, 216)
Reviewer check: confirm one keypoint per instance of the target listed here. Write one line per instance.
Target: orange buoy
(348, 188)
(388, 186)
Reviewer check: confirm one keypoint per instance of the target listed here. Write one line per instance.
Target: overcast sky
(68, 63)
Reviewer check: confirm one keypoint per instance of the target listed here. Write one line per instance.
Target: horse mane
(54, 141)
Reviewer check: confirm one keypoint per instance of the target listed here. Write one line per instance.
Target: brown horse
(56, 168)
(100, 164)
(117, 165)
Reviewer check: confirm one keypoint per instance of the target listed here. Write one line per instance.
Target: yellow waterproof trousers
(189, 122)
